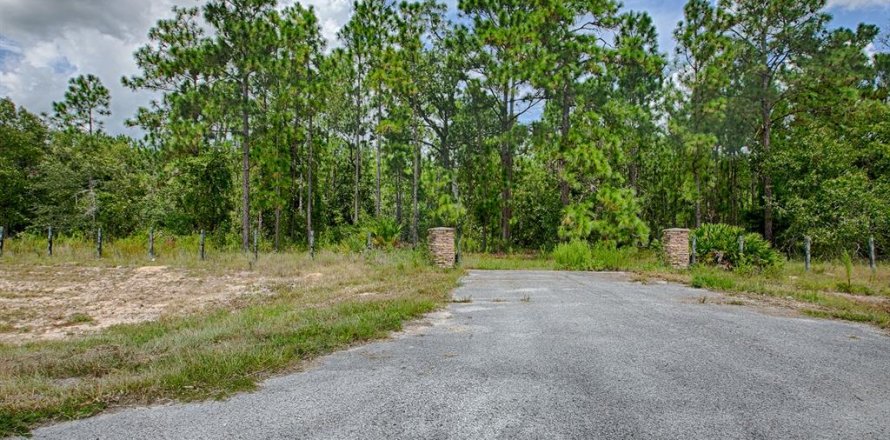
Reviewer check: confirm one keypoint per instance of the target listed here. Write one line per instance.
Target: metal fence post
(49, 241)
(151, 244)
(807, 244)
(2, 237)
(202, 245)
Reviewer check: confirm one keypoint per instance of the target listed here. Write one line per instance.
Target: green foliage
(614, 220)
(574, 255)
(605, 256)
(385, 233)
(718, 244)
(85, 102)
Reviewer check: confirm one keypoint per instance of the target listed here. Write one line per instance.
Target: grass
(217, 352)
(838, 290)
(517, 261)
(79, 318)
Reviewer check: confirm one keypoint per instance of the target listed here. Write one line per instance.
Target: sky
(44, 43)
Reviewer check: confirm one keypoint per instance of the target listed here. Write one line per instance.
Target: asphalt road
(561, 355)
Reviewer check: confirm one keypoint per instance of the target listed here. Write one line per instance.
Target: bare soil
(54, 302)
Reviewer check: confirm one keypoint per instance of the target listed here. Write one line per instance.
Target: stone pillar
(441, 243)
(676, 247)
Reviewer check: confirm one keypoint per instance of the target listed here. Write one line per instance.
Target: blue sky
(45, 42)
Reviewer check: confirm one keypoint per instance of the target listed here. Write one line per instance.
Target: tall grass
(580, 255)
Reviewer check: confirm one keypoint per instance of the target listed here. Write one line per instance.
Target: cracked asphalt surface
(560, 355)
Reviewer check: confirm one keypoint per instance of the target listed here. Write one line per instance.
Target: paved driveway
(561, 355)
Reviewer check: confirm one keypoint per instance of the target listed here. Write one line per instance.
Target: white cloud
(43, 43)
(52, 41)
(857, 4)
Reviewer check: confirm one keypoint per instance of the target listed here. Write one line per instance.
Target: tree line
(523, 123)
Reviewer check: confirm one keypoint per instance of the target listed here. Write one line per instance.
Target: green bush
(607, 257)
(574, 255)
(385, 232)
(718, 244)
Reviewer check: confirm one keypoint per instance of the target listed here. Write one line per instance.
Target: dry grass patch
(304, 308)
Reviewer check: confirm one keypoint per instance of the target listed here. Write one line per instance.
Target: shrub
(385, 232)
(718, 244)
(607, 257)
(574, 255)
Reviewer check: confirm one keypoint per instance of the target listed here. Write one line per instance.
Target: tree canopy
(523, 123)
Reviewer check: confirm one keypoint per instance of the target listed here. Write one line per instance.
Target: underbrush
(580, 255)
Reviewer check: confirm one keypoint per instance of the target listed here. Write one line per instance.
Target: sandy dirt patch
(53, 302)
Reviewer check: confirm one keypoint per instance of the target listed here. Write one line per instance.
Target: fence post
(2, 237)
(741, 245)
(256, 244)
(151, 244)
(99, 243)
(807, 244)
(49, 241)
(457, 254)
(693, 255)
(202, 245)
(872, 258)
(368, 242)
(312, 244)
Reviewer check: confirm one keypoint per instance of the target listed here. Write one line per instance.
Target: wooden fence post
(872, 257)
(202, 245)
(368, 242)
(312, 244)
(807, 244)
(99, 243)
(693, 255)
(49, 241)
(151, 244)
(741, 245)
(256, 244)
(457, 252)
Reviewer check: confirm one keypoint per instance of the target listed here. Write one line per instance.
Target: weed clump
(718, 244)
(574, 255)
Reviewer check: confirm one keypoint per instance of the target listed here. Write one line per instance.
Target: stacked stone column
(676, 247)
(441, 244)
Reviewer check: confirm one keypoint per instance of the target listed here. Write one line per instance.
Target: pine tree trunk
(309, 163)
(277, 228)
(564, 137)
(697, 177)
(415, 207)
(377, 141)
(399, 197)
(245, 166)
(507, 166)
(764, 167)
